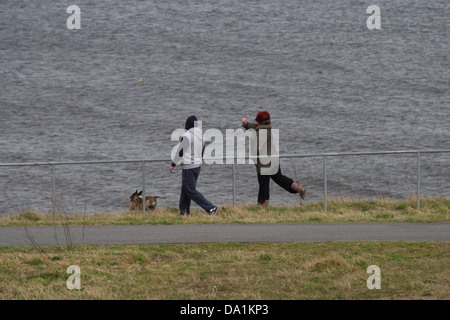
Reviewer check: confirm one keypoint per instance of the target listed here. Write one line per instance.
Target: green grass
(229, 271)
(338, 210)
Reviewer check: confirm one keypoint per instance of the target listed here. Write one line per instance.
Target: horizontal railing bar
(329, 154)
(79, 162)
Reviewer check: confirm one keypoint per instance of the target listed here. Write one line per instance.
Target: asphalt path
(177, 234)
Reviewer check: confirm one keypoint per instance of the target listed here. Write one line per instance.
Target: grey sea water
(330, 84)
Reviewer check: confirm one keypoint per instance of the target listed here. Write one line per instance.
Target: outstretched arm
(248, 125)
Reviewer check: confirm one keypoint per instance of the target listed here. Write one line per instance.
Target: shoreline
(340, 210)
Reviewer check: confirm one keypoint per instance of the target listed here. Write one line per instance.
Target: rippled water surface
(330, 84)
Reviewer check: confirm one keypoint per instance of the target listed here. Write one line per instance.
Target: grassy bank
(339, 210)
(229, 271)
(280, 271)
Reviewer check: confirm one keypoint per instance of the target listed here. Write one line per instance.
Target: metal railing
(324, 156)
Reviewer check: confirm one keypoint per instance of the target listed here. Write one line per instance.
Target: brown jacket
(261, 144)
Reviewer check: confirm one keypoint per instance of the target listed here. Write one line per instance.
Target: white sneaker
(213, 211)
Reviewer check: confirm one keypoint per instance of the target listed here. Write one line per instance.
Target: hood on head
(190, 121)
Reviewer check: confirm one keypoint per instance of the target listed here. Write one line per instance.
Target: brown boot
(302, 192)
(300, 189)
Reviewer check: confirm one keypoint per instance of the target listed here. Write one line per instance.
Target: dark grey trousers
(188, 192)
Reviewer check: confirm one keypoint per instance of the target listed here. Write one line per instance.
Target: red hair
(262, 116)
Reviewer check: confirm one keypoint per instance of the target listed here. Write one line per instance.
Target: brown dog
(136, 201)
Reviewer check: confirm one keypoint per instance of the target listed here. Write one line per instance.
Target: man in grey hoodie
(190, 154)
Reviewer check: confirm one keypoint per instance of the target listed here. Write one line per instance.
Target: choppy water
(330, 84)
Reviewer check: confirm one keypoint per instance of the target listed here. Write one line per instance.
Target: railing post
(53, 189)
(234, 184)
(324, 156)
(325, 182)
(143, 189)
(418, 179)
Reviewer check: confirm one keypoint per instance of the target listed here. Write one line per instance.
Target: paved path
(160, 234)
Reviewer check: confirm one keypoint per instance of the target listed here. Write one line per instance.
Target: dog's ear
(140, 193)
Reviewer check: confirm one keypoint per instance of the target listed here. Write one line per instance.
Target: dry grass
(228, 271)
(339, 210)
(279, 271)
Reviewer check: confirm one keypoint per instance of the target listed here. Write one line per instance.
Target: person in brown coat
(263, 167)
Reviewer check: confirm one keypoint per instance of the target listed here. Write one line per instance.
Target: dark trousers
(188, 192)
(264, 184)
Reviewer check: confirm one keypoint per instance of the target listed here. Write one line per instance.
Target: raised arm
(248, 125)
